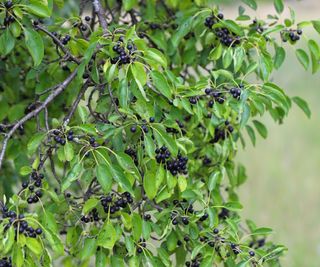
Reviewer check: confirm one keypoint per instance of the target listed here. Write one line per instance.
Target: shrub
(120, 130)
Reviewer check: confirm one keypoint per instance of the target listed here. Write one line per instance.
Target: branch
(101, 15)
(57, 41)
(32, 114)
(67, 118)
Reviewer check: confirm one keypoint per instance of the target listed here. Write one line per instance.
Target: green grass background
(283, 188)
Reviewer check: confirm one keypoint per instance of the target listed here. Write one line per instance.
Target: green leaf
(251, 3)
(216, 52)
(140, 77)
(303, 105)
(149, 146)
(238, 58)
(68, 151)
(107, 236)
(17, 256)
(7, 42)
(35, 142)
(182, 183)
(87, 128)
(279, 57)
(121, 178)
(182, 31)
(316, 25)
(9, 240)
(129, 4)
(35, 45)
(262, 231)
(303, 58)
(150, 185)
(101, 258)
(162, 136)
(25, 170)
(245, 115)
(227, 58)
(262, 130)
(314, 48)
(214, 178)
(278, 4)
(89, 248)
(39, 8)
(232, 26)
(161, 83)
(72, 176)
(34, 245)
(136, 226)
(251, 134)
(156, 56)
(104, 177)
(89, 205)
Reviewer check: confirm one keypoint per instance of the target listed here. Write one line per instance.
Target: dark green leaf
(303, 105)
(303, 58)
(35, 45)
(278, 4)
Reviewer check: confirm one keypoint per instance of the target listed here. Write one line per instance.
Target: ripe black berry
(299, 31)
(174, 221)
(220, 16)
(151, 119)
(147, 217)
(185, 220)
(215, 230)
(87, 18)
(38, 231)
(208, 91)
(251, 253)
(139, 250)
(186, 238)
(25, 184)
(133, 129)
(83, 28)
(8, 4)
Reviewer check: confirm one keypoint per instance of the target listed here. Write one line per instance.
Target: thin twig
(58, 43)
(97, 7)
(62, 86)
(75, 104)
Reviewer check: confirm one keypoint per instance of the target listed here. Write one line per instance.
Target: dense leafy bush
(119, 129)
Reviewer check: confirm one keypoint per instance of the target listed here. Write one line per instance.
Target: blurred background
(283, 188)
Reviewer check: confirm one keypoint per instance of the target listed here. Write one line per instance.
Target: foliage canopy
(119, 129)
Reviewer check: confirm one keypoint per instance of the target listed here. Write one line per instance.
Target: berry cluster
(20, 225)
(141, 244)
(257, 26)
(59, 138)
(216, 95)
(213, 19)
(193, 263)
(8, 18)
(5, 262)
(222, 132)
(83, 26)
(162, 154)
(133, 154)
(174, 165)
(227, 37)
(65, 40)
(36, 181)
(177, 165)
(124, 54)
(113, 203)
(236, 92)
(292, 35)
(93, 216)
